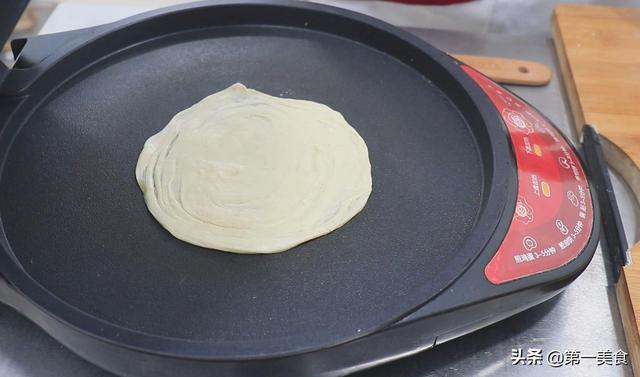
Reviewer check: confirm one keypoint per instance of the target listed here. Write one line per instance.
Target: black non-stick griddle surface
(77, 222)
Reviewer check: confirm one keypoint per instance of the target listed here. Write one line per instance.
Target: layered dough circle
(246, 172)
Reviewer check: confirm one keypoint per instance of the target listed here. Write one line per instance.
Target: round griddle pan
(84, 258)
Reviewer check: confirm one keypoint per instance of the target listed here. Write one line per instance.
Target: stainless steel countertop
(584, 318)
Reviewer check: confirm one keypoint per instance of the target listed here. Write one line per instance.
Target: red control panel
(553, 218)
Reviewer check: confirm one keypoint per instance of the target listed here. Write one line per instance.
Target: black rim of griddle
(501, 180)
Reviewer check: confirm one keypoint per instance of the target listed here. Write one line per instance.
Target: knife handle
(508, 71)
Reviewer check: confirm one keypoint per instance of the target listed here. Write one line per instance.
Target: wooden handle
(509, 71)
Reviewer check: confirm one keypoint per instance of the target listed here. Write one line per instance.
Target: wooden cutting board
(598, 49)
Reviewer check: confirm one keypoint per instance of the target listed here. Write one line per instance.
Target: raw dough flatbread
(246, 172)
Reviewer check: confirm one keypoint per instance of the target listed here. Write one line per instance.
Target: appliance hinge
(614, 242)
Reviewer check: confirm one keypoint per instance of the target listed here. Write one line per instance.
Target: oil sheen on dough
(246, 172)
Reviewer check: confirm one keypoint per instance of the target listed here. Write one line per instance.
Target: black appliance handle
(614, 240)
(32, 55)
(10, 13)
